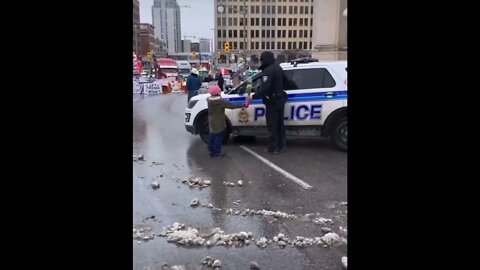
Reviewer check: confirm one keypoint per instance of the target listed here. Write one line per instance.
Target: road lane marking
(278, 169)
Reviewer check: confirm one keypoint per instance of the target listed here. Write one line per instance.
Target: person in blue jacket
(193, 84)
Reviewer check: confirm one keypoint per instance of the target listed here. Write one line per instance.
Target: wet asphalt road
(159, 134)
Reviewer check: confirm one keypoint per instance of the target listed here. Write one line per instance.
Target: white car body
(309, 111)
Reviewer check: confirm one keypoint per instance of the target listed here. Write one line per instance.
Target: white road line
(278, 169)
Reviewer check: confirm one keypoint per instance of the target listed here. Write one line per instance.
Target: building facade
(166, 19)
(253, 26)
(204, 45)
(147, 38)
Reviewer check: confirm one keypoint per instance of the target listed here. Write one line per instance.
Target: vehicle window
(169, 70)
(308, 78)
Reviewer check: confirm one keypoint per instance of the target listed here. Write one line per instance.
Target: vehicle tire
(339, 134)
(204, 130)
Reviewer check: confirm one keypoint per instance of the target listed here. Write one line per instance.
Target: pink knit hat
(214, 90)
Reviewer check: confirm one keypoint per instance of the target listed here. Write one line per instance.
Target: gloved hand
(246, 104)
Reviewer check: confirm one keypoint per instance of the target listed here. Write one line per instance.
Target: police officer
(274, 98)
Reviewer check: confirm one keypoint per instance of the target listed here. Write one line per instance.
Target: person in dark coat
(221, 81)
(274, 97)
(193, 84)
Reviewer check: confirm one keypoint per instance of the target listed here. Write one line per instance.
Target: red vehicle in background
(168, 66)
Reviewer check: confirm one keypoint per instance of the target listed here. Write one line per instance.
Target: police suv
(316, 105)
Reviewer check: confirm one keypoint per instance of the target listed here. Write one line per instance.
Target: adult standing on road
(221, 81)
(193, 84)
(274, 98)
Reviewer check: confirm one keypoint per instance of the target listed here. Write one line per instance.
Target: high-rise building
(186, 45)
(166, 19)
(204, 45)
(136, 26)
(256, 26)
(147, 38)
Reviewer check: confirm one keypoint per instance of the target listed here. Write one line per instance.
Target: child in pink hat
(217, 121)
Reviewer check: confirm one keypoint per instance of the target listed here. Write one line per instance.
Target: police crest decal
(243, 116)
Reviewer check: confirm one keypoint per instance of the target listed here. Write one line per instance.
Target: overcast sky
(197, 20)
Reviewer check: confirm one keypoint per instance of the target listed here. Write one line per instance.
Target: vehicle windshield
(255, 80)
(184, 71)
(169, 70)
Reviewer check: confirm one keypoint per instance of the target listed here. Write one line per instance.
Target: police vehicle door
(254, 115)
(312, 94)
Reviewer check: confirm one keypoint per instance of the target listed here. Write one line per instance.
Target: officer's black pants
(276, 127)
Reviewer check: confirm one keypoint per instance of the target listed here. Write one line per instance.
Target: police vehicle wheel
(204, 130)
(339, 135)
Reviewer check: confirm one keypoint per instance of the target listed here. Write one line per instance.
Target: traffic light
(150, 55)
(227, 46)
(194, 55)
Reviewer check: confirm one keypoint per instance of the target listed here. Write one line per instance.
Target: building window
(234, 33)
(263, 9)
(294, 21)
(279, 45)
(306, 10)
(263, 21)
(268, 10)
(300, 45)
(235, 21)
(219, 33)
(300, 33)
(294, 33)
(301, 9)
(230, 20)
(252, 21)
(289, 33)
(272, 45)
(305, 45)
(252, 9)
(230, 33)
(241, 45)
(224, 33)
(284, 33)
(257, 9)
(311, 10)
(268, 46)
(273, 33)
(224, 21)
(300, 22)
(284, 46)
(284, 22)
(273, 21)
(219, 21)
(306, 21)
(235, 45)
(257, 20)
(252, 45)
(279, 22)
(279, 34)
(289, 45)
(311, 33)
(257, 32)
(268, 33)
(240, 33)
(290, 10)
(257, 45)
(311, 22)
(295, 10)
(273, 9)
(290, 22)
(310, 45)
(263, 45)
(284, 9)
(305, 33)
(252, 33)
